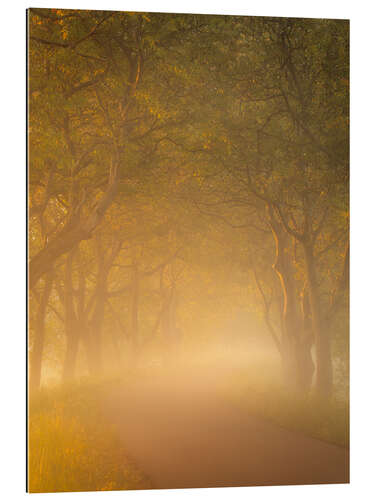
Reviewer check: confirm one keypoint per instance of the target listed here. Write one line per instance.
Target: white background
(13, 231)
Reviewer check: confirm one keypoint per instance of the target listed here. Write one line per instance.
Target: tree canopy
(183, 170)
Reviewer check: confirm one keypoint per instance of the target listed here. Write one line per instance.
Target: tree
(181, 155)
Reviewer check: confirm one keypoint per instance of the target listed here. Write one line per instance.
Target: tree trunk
(322, 341)
(75, 230)
(305, 342)
(93, 334)
(36, 357)
(289, 317)
(294, 346)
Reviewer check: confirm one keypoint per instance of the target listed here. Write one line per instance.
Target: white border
(12, 366)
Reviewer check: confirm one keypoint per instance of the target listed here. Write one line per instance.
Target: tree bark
(295, 346)
(289, 323)
(305, 342)
(324, 379)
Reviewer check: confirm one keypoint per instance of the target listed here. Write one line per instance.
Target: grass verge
(73, 447)
(265, 396)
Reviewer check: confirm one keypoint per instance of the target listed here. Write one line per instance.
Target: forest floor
(183, 432)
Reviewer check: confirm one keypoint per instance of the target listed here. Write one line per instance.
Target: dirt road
(183, 434)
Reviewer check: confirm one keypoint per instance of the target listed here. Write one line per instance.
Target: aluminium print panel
(188, 236)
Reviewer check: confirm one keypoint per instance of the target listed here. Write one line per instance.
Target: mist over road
(183, 433)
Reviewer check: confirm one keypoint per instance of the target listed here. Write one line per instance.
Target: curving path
(183, 434)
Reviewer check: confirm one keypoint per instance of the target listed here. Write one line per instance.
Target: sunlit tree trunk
(36, 357)
(289, 326)
(295, 344)
(305, 342)
(322, 341)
